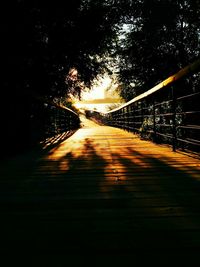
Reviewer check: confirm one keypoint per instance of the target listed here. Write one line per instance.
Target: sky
(100, 97)
(103, 94)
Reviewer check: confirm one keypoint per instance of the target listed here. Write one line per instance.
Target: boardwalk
(102, 191)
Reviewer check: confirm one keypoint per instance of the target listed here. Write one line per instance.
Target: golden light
(100, 96)
(98, 90)
(73, 74)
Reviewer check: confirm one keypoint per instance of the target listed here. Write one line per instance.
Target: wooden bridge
(102, 192)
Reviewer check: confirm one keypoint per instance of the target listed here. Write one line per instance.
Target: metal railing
(29, 120)
(48, 119)
(168, 113)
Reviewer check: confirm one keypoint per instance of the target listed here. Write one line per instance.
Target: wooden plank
(102, 189)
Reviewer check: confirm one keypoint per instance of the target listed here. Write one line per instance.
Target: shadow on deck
(102, 192)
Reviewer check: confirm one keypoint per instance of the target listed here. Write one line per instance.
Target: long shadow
(52, 207)
(74, 204)
(54, 141)
(20, 166)
(164, 203)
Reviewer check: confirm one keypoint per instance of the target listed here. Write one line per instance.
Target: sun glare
(102, 94)
(98, 90)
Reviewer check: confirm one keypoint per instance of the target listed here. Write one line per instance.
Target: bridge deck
(102, 191)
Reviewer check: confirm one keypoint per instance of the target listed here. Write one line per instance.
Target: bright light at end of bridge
(98, 91)
(101, 96)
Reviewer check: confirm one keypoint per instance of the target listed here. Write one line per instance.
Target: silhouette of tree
(44, 41)
(53, 48)
(163, 37)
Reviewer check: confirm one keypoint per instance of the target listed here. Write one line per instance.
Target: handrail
(52, 119)
(42, 99)
(171, 117)
(183, 72)
(68, 109)
(49, 119)
(30, 119)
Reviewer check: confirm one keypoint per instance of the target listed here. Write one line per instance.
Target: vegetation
(44, 43)
(163, 37)
(54, 48)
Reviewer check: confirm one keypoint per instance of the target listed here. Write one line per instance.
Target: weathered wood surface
(105, 192)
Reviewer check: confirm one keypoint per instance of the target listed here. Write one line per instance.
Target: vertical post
(121, 119)
(142, 119)
(128, 117)
(70, 124)
(131, 118)
(154, 122)
(112, 118)
(115, 116)
(134, 118)
(125, 117)
(142, 112)
(174, 137)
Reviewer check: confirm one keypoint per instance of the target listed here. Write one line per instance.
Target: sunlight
(98, 90)
(74, 145)
(73, 74)
(96, 107)
(101, 96)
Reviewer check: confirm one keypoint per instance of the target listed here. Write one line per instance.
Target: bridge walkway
(102, 191)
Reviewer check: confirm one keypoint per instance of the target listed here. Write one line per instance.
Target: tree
(163, 36)
(42, 41)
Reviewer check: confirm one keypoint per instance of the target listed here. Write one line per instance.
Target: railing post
(174, 136)
(131, 120)
(142, 112)
(142, 127)
(128, 117)
(154, 122)
(124, 118)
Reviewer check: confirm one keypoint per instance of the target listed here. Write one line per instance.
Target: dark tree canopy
(43, 40)
(41, 43)
(53, 48)
(163, 37)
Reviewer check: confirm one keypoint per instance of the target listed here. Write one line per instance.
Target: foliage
(41, 43)
(163, 37)
(55, 48)
(43, 40)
